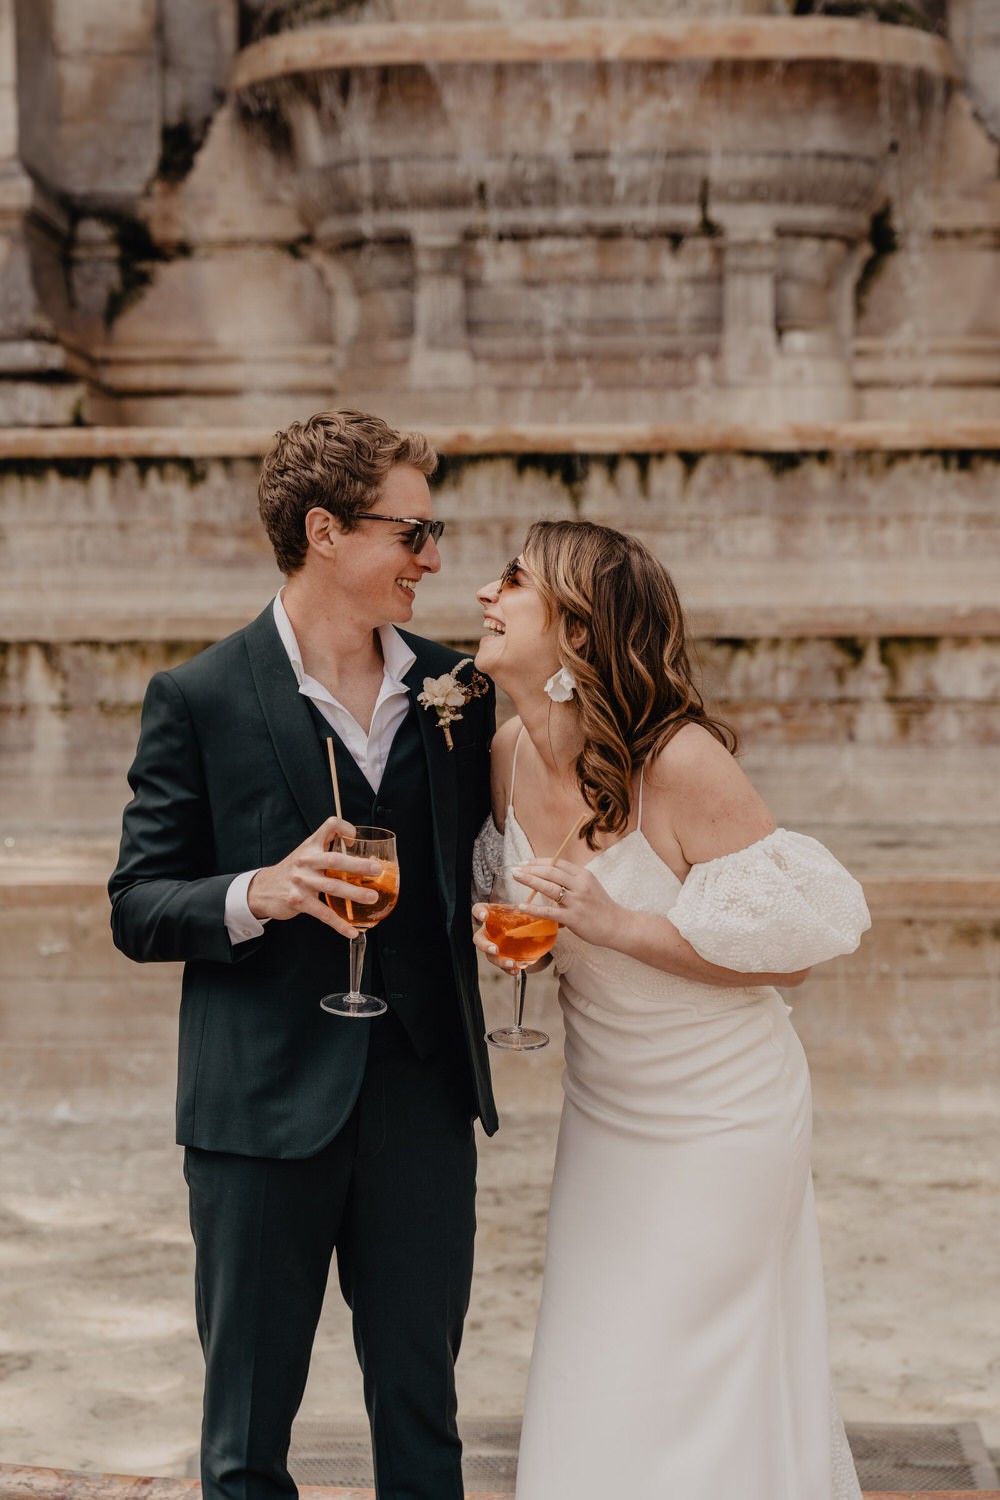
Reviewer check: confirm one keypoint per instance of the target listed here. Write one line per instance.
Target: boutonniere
(447, 696)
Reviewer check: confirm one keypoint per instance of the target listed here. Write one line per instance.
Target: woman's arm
(697, 806)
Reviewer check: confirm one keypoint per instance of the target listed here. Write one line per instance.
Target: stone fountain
(582, 220)
(723, 275)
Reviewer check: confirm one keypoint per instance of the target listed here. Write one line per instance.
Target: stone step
(913, 1010)
(160, 540)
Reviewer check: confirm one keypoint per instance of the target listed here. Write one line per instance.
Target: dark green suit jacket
(229, 776)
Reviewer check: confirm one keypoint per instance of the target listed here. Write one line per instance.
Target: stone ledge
(117, 623)
(39, 876)
(69, 443)
(761, 39)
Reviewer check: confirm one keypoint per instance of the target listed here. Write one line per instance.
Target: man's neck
(337, 649)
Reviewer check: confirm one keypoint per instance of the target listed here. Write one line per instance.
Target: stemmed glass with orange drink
(525, 939)
(368, 843)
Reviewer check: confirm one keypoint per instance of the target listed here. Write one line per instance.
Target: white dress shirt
(370, 751)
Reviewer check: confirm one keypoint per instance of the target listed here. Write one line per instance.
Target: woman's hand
(489, 949)
(573, 897)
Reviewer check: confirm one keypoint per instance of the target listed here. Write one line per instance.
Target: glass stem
(357, 963)
(520, 980)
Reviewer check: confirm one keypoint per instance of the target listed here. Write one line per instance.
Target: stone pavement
(99, 1362)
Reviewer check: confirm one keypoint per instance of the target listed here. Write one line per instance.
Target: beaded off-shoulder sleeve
(782, 904)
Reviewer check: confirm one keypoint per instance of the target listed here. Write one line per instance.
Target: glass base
(517, 1039)
(353, 1005)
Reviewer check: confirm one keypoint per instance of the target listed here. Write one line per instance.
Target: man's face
(377, 571)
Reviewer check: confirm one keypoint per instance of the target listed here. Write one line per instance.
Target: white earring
(561, 686)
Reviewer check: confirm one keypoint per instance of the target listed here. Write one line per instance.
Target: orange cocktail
(517, 934)
(386, 883)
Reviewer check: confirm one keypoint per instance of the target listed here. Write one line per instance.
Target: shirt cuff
(241, 924)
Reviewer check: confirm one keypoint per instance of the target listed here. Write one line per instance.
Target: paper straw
(566, 841)
(336, 803)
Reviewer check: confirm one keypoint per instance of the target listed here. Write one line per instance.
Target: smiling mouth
(493, 627)
(408, 584)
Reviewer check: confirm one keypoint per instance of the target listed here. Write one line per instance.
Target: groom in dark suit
(308, 1134)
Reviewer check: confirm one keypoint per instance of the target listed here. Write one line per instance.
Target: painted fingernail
(492, 948)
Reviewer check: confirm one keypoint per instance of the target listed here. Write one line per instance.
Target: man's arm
(167, 899)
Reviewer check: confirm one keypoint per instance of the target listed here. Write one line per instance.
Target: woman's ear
(578, 636)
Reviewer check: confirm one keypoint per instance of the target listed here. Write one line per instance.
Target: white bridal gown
(681, 1348)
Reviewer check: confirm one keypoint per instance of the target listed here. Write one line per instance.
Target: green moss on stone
(850, 647)
(689, 461)
(138, 254)
(193, 471)
(884, 242)
(923, 15)
(706, 224)
(180, 144)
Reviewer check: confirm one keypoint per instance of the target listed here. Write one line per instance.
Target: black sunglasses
(419, 530)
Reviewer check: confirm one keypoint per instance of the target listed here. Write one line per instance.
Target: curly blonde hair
(337, 459)
(635, 686)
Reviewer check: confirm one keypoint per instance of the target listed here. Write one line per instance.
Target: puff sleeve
(782, 904)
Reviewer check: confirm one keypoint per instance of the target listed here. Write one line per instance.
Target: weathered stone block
(103, 132)
(103, 26)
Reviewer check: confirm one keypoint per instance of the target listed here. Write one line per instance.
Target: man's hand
(298, 883)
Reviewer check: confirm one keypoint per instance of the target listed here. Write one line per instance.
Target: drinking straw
(566, 841)
(336, 803)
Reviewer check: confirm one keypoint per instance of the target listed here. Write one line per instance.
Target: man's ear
(322, 531)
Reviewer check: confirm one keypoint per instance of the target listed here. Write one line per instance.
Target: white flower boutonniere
(447, 696)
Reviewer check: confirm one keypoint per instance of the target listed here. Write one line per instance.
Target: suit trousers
(393, 1195)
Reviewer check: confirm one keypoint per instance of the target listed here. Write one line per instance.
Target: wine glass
(520, 936)
(368, 843)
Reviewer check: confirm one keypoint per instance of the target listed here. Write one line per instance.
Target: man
(307, 1133)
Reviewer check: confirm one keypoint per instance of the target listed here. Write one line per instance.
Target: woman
(681, 1343)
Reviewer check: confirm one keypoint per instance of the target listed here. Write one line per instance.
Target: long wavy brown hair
(635, 687)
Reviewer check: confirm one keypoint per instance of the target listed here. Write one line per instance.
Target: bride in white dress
(681, 1346)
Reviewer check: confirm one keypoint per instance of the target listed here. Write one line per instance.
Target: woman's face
(518, 642)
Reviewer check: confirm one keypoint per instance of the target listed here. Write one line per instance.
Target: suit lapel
(289, 722)
(300, 753)
(442, 775)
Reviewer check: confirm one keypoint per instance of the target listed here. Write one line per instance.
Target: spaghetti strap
(638, 822)
(513, 768)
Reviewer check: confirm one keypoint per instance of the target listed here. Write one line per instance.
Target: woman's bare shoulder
(693, 754)
(501, 761)
(506, 738)
(701, 791)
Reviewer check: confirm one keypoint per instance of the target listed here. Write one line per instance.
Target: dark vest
(408, 959)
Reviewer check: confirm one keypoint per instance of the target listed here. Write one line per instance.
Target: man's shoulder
(216, 663)
(436, 657)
